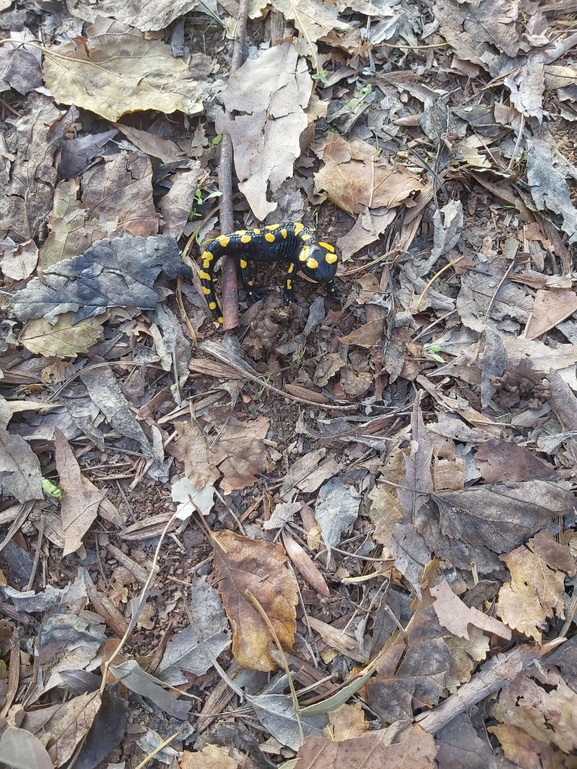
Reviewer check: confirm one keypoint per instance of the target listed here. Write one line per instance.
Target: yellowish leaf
(62, 339)
(116, 72)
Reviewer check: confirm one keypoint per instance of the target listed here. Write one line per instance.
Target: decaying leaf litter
(344, 532)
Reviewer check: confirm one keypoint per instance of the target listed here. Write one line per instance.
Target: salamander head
(321, 262)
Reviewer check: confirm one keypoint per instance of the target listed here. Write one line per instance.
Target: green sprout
(258, 395)
(431, 351)
(50, 488)
(361, 91)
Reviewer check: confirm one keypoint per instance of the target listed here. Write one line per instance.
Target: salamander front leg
(335, 291)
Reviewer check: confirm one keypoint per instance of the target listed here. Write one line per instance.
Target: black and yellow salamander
(293, 243)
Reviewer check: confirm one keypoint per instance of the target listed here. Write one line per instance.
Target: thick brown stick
(493, 675)
(229, 282)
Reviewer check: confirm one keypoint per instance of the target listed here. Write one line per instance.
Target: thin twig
(433, 279)
(41, 526)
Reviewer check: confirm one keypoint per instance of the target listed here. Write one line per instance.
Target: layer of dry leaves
(345, 535)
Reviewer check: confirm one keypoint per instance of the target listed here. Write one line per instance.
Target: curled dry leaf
(117, 71)
(246, 568)
(269, 95)
(305, 565)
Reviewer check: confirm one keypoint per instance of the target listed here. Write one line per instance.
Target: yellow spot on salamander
(204, 275)
(298, 228)
(212, 305)
(284, 234)
(291, 268)
(327, 247)
(306, 237)
(251, 283)
(224, 240)
(246, 239)
(312, 264)
(269, 237)
(289, 284)
(272, 226)
(331, 258)
(256, 231)
(304, 254)
(243, 264)
(221, 320)
(206, 290)
(207, 256)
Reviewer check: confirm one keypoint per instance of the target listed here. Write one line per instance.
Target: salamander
(292, 242)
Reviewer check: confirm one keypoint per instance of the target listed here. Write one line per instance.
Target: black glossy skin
(293, 243)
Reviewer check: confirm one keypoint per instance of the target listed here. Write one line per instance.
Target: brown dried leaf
(460, 747)
(118, 195)
(26, 200)
(18, 262)
(269, 95)
(210, 757)
(412, 673)
(244, 568)
(551, 307)
(80, 500)
(368, 227)
(417, 483)
(369, 751)
(313, 19)
(145, 15)
(537, 584)
(117, 71)
(386, 510)
(63, 727)
(355, 178)
(20, 472)
(524, 750)
(500, 516)
(501, 461)
(366, 336)
(455, 615)
(464, 655)
(347, 722)
(70, 232)
(545, 708)
(238, 453)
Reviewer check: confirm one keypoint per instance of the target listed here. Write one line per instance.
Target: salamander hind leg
(251, 288)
